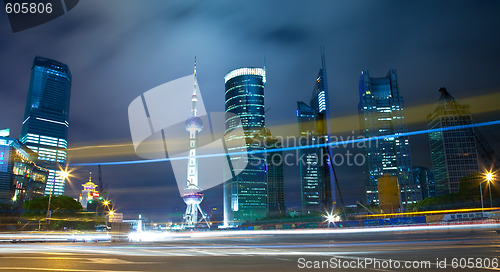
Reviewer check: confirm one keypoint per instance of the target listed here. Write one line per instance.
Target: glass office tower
(316, 171)
(425, 177)
(454, 153)
(46, 118)
(381, 111)
(245, 195)
(275, 178)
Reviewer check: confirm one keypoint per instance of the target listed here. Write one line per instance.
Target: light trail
(343, 124)
(431, 212)
(340, 143)
(166, 236)
(54, 237)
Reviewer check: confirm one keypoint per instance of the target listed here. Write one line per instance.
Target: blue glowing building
(275, 178)
(316, 172)
(20, 178)
(425, 177)
(46, 118)
(381, 112)
(245, 194)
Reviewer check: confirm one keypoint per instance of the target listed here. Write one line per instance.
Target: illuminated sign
(5, 132)
(1, 157)
(95, 194)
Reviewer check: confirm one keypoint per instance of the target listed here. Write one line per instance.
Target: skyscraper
(275, 178)
(316, 173)
(46, 118)
(245, 195)
(454, 154)
(425, 178)
(381, 111)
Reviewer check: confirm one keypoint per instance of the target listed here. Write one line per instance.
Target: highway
(265, 251)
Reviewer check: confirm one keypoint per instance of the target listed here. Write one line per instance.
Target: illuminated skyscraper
(381, 111)
(275, 178)
(316, 174)
(454, 152)
(46, 118)
(245, 195)
(425, 178)
(20, 178)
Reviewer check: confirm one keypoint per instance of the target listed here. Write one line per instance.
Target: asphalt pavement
(431, 250)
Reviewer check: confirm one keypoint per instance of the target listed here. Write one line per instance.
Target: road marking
(109, 261)
(41, 258)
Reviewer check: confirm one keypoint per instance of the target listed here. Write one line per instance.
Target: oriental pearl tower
(192, 194)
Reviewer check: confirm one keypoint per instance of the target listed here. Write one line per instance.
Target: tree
(467, 196)
(66, 213)
(58, 205)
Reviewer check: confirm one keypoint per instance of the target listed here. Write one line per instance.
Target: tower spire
(323, 61)
(101, 186)
(194, 98)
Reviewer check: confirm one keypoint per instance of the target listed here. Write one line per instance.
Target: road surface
(266, 252)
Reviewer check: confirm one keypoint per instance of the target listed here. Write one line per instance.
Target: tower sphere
(195, 123)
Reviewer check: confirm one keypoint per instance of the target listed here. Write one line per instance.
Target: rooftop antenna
(100, 184)
(323, 62)
(265, 60)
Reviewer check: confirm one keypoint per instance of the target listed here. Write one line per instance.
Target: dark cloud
(285, 36)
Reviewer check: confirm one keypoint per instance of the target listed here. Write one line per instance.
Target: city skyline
(103, 78)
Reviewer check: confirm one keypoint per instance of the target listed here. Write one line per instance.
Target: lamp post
(482, 204)
(62, 174)
(489, 178)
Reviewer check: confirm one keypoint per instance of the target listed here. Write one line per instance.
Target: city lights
(331, 218)
(489, 176)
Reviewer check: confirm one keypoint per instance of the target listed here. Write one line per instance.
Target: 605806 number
(28, 8)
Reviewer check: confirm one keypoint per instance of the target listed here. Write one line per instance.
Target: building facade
(275, 178)
(245, 195)
(425, 177)
(381, 112)
(316, 171)
(454, 153)
(20, 178)
(46, 118)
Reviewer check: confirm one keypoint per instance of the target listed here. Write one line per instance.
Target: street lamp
(489, 178)
(331, 218)
(482, 203)
(110, 214)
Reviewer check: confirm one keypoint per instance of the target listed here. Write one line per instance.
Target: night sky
(117, 50)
